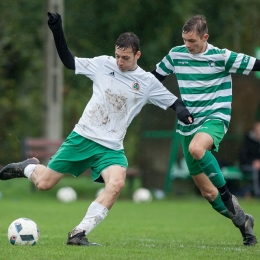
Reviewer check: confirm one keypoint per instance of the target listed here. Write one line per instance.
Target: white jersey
(117, 98)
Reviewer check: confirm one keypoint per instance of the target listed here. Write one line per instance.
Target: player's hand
(54, 20)
(183, 114)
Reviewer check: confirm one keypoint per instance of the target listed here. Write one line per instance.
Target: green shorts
(78, 153)
(215, 128)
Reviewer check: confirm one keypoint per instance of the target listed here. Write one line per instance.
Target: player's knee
(196, 151)
(117, 185)
(43, 186)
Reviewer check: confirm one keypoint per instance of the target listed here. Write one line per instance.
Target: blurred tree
(91, 29)
(20, 75)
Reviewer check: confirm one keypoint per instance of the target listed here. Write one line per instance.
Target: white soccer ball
(142, 195)
(23, 231)
(66, 194)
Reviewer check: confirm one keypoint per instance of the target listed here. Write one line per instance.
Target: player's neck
(204, 47)
(136, 66)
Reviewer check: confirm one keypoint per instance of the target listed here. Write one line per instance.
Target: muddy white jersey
(117, 98)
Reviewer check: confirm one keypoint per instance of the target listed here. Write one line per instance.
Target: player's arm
(158, 75)
(55, 24)
(183, 114)
(162, 97)
(164, 68)
(256, 66)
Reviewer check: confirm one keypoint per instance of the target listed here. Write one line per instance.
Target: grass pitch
(174, 228)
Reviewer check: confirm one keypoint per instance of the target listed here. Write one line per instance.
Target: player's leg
(204, 140)
(114, 177)
(210, 193)
(198, 148)
(43, 177)
(207, 189)
(109, 167)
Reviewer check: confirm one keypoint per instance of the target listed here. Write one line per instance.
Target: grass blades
(174, 228)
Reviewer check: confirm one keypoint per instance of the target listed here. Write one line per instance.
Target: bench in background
(41, 148)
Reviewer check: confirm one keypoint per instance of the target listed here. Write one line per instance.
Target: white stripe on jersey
(206, 96)
(214, 106)
(200, 119)
(202, 84)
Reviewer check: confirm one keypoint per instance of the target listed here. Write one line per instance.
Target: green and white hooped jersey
(205, 82)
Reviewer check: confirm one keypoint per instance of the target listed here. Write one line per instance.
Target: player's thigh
(192, 164)
(109, 164)
(114, 174)
(216, 130)
(201, 141)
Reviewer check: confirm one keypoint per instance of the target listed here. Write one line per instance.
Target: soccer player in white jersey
(203, 73)
(120, 90)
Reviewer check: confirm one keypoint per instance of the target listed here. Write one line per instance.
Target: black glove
(54, 21)
(182, 112)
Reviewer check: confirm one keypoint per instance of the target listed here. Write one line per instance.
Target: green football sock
(219, 206)
(210, 167)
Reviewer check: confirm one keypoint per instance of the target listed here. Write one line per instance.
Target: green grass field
(174, 228)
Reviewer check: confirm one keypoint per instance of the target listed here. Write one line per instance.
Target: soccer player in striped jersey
(203, 73)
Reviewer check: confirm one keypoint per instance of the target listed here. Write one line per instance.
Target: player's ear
(138, 55)
(205, 37)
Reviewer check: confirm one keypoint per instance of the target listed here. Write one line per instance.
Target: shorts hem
(100, 178)
(113, 165)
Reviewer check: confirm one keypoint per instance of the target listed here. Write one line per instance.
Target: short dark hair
(196, 24)
(128, 40)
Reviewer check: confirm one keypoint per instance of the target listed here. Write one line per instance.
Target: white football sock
(29, 170)
(95, 214)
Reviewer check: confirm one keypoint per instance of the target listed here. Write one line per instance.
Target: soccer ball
(66, 194)
(142, 195)
(23, 231)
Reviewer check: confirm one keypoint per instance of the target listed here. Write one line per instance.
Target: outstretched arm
(182, 112)
(55, 24)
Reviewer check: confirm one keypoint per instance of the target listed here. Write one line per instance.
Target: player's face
(194, 43)
(126, 60)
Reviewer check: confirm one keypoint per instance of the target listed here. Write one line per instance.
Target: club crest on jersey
(211, 63)
(136, 86)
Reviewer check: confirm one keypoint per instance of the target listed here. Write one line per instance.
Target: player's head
(127, 51)
(195, 34)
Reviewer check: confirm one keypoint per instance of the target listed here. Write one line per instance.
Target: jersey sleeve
(89, 66)
(238, 62)
(159, 95)
(166, 66)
